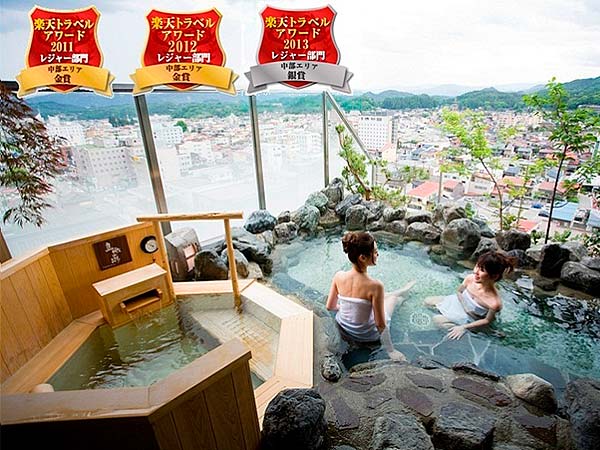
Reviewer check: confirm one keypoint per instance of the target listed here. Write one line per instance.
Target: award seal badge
(183, 51)
(298, 49)
(64, 53)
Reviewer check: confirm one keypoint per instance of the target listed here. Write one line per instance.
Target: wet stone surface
(543, 428)
(364, 383)
(376, 399)
(463, 427)
(482, 390)
(415, 400)
(426, 381)
(345, 417)
(472, 369)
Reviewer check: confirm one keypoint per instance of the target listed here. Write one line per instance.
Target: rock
(375, 209)
(483, 390)
(391, 214)
(582, 400)
(399, 432)
(484, 228)
(460, 238)
(453, 213)
(472, 369)
(540, 427)
(419, 217)
(295, 419)
(438, 214)
(426, 381)
(285, 232)
(285, 216)
(330, 368)
(259, 221)
(268, 237)
(416, 400)
(513, 239)
(545, 284)
(318, 200)
(396, 227)
(577, 250)
(329, 219)
(534, 390)
(523, 261)
(423, 232)
(553, 257)
(209, 266)
(535, 253)
(347, 202)
(307, 218)
(463, 427)
(241, 263)
(345, 417)
(334, 192)
(591, 263)
(356, 217)
(578, 276)
(427, 363)
(378, 398)
(376, 226)
(254, 271)
(485, 245)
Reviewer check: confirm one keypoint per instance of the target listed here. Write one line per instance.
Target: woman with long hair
(363, 310)
(477, 300)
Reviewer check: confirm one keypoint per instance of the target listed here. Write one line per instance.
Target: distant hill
(490, 98)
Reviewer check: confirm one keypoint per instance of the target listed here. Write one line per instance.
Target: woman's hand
(456, 332)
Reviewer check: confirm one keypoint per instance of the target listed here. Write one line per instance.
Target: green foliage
(536, 236)
(561, 237)
(592, 243)
(509, 221)
(470, 210)
(573, 131)
(181, 124)
(355, 172)
(29, 160)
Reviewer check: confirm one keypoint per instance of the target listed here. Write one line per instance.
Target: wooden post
(232, 267)
(160, 239)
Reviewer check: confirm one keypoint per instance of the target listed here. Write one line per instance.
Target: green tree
(181, 124)
(571, 131)
(529, 173)
(469, 128)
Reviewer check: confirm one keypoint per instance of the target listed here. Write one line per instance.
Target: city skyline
(476, 44)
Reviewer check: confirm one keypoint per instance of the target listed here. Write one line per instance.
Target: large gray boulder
(391, 214)
(591, 263)
(419, 217)
(285, 232)
(347, 202)
(460, 238)
(284, 216)
(577, 250)
(396, 227)
(578, 276)
(423, 232)
(375, 209)
(329, 219)
(241, 263)
(513, 239)
(307, 218)
(295, 420)
(582, 400)
(553, 256)
(209, 266)
(485, 245)
(453, 213)
(523, 261)
(259, 221)
(334, 192)
(356, 217)
(484, 228)
(400, 432)
(318, 200)
(535, 253)
(534, 390)
(254, 247)
(461, 426)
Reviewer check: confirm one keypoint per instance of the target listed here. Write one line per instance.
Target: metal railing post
(260, 182)
(325, 142)
(141, 108)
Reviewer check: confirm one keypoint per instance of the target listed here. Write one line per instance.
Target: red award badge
(298, 49)
(64, 53)
(183, 51)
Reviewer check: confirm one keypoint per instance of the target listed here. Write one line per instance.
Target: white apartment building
(105, 167)
(199, 151)
(167, 134)
(72, 132)
(375, 131)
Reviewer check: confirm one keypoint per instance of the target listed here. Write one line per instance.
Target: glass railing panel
(204, 148)
(105, 183)
(292, 149)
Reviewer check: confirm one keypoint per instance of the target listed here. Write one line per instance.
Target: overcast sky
(394, 44)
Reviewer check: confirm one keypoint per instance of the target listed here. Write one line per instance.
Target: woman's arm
(463, 286)
(332, 298)
(457, 331)
(379, 306)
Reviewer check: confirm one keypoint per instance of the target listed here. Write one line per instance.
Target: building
(105, 167)
(423, 195)
(72, 132)
(375, 131)
(453, 189)
(167, 134)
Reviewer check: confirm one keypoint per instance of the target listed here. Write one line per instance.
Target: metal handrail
(350, 128)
